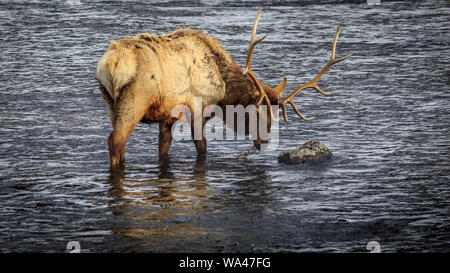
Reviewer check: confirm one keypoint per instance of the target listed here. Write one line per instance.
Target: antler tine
(313, 83)
(248, 69)
(253, 43)
(333, 52)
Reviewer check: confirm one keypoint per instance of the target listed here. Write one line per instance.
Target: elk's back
(163, 71)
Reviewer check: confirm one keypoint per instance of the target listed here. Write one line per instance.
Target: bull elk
(143, 77)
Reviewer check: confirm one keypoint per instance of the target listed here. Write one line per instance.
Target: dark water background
(387, 125)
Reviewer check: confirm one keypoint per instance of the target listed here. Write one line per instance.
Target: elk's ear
(279, 89)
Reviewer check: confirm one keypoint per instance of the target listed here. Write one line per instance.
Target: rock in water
(310, 151)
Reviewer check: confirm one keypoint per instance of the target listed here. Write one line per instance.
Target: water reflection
(162, 205)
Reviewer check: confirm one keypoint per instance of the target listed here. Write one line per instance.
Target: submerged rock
(310, 151)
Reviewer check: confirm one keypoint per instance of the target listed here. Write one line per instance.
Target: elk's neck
(240, 89)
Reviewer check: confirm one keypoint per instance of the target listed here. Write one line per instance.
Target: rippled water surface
(387, 125)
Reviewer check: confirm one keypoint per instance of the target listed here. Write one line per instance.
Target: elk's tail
(116, 68)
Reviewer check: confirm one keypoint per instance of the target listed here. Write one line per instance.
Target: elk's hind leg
(116, 151)
(126, 116)
(109, 103)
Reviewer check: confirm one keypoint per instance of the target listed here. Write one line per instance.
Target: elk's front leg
(197, 134)
(165, 138)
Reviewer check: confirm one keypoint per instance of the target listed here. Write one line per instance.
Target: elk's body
(143, 77)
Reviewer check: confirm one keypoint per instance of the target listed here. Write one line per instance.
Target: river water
(387, 126)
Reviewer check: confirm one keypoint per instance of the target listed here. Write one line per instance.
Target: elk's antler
(248, 68)
(313, 83)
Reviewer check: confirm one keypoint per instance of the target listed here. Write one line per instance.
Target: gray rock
(311, 151)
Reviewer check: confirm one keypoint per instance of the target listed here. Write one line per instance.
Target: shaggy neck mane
(239, 88)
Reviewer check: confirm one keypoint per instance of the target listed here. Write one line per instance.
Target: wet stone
(311, 151)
